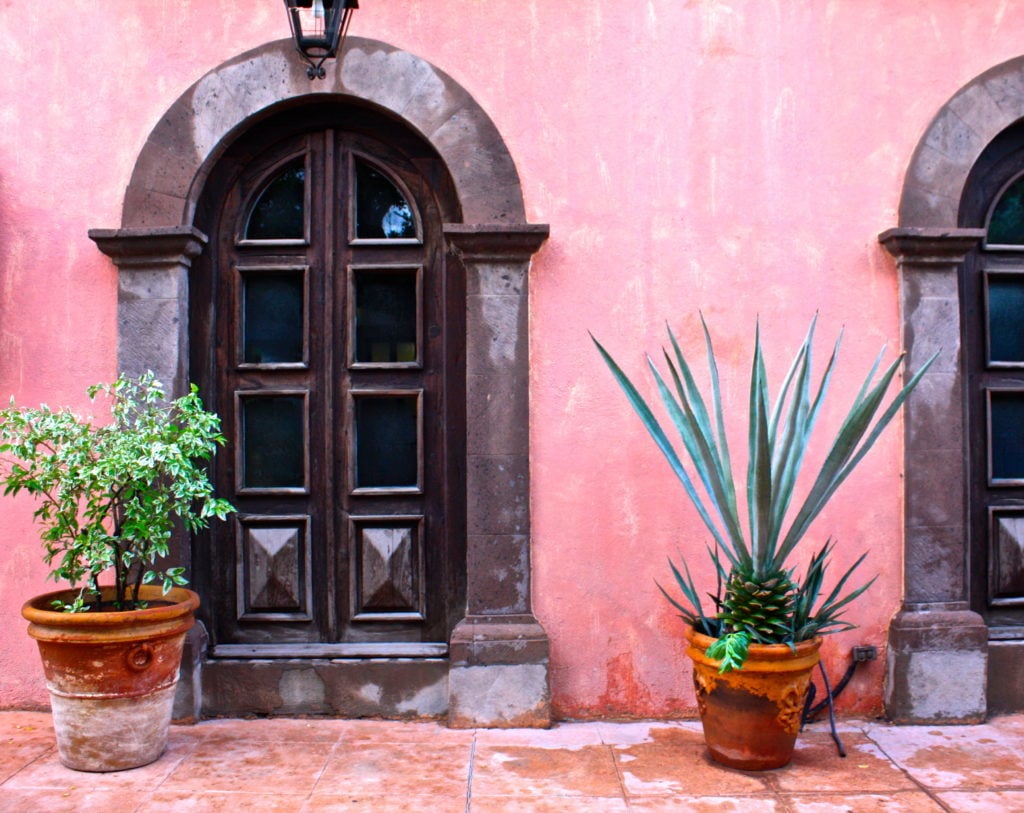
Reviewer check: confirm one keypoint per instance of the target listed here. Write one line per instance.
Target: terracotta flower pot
(111, 676)
(751, 716)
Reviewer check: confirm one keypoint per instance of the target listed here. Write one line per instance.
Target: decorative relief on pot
(139, 658)
(703, 684)
(791, 709)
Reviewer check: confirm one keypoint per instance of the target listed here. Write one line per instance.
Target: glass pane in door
(1006, 224)
(387, 454)
(280, 210)
(382, 212)
(1006, 436)
(1005, 299)
(273, 324)
(386, 318)
(273, 441)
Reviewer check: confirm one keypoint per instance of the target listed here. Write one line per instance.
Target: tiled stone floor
(325, 765)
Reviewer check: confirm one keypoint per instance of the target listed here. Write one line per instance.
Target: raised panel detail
(387, 571)
(274, 571)
(1006, 558)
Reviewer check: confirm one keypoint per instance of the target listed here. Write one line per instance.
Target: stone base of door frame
(937, 666)
(499, 673)
(388, 688)
(496, 677)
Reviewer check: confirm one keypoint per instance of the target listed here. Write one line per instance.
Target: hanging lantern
(318, 28)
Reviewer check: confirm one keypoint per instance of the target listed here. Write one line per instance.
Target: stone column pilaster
(152, 312)
(152, 298)
(937, 656)
(499, 651)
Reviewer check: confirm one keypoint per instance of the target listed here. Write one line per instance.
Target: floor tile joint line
(469, 779)
(921, 786)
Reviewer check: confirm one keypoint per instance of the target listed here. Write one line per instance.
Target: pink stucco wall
(738, 156)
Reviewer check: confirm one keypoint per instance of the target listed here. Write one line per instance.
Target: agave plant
(759, 597)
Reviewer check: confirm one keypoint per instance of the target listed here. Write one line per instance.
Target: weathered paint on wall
(734, 156)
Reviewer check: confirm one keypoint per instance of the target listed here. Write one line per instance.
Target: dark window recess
(386, 317)
(272, 325)
(387, 447)
(1007, 435)
(280, 210)
(1006, 226)
(382, 212)
(273, 441)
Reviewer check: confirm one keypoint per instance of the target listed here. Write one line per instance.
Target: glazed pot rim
(182, 602)
(760, 651)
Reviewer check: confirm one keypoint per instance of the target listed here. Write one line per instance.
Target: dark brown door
(996, 377)
(330, 359)
(994, 355)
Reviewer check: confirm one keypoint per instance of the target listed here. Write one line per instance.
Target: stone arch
(170, 170)
(935, 628)
(498, 642)
(954, 141)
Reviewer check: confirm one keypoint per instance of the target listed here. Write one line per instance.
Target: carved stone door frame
(944, 663)
(497, 671)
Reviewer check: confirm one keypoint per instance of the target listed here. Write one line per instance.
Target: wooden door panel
(331, 343)
(994, 291)
(387, 569)
(1006, 557)
(274, 568)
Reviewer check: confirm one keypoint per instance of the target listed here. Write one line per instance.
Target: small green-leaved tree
(110, 493)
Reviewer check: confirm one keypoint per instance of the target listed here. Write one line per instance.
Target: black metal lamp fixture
(318, 28)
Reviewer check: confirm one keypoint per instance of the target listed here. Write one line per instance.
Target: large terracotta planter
(112, 676)
(751, 716)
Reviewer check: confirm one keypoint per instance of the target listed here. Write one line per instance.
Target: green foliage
(731, 649)
(110, 494)
(764, 601)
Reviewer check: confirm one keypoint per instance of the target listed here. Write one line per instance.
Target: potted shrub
(755, 644)
(110, 495)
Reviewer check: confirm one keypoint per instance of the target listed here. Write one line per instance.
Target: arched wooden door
(993, 318)
(328, 335)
